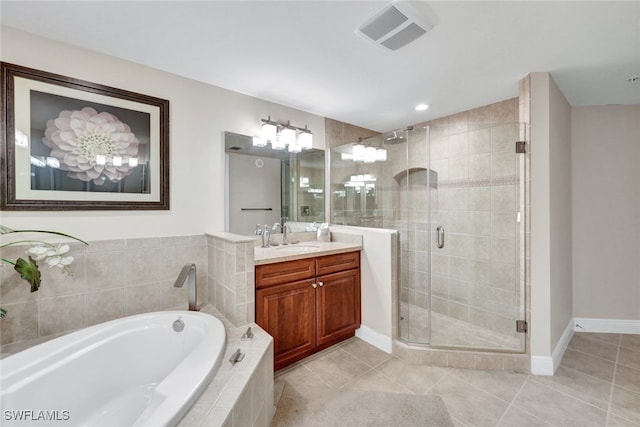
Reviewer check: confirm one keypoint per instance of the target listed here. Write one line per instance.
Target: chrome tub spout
(189, 270)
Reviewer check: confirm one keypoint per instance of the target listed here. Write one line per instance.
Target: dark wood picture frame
(143, 137)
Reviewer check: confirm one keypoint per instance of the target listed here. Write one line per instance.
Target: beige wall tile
(480, 198)
(503, 164)
(105, 270)
(61, 314)
(503, 198)
(143, 265)
(105, 305)
(479, 118)
(480, 166)
(21, 322)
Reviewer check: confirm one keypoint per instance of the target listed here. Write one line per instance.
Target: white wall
(551, 282)
(200, 114)
(560, 199)
(377, 284)
(606, 212)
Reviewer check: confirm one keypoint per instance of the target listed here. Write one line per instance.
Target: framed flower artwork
(69, 144)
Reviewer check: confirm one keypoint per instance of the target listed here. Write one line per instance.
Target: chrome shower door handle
(440, 236)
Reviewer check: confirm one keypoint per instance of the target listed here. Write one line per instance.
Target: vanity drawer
(339, 262)
(284, 272)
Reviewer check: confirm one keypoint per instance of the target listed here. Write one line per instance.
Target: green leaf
(3, 312)
(28, 270)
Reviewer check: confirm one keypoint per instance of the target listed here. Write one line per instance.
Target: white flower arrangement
(54, 255)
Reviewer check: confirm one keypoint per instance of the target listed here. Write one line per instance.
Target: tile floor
(597, 384)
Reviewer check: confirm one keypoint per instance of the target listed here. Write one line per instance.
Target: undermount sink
(296, 249)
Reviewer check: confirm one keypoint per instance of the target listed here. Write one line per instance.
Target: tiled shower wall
(472, 192)
(112, 279)
(474, 276)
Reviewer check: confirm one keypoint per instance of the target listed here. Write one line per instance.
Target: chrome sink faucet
(284, 227)
(189, 270)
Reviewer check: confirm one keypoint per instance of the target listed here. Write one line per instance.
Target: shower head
(394, 138)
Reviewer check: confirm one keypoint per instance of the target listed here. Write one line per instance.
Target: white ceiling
(305, 54)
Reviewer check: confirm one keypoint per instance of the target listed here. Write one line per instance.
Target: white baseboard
(547, 365)
(374, 338)
(613, 326)
(562, 345)
(542, 365)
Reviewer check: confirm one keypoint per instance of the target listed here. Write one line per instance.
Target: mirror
(264, 185)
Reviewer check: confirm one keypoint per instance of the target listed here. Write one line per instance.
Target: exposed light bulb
(305, 139)
(358, 153)
(259, 142)
(269, 131)
(370, 154)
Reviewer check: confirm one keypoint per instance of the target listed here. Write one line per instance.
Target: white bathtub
(134, 371)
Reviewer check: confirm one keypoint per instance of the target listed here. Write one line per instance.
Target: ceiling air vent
(396, 26)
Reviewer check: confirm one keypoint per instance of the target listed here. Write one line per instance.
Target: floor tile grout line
(362, 361)
(458, 421)
(514, 405)
(354, 379)
(512, 401)
(393, 381)
(590, 354)
(476, 387)
(569, 395)
(585, 374)
(534, 378)
(411, 391)
(613, 382)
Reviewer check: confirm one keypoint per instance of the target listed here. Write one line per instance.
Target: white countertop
(275, 254)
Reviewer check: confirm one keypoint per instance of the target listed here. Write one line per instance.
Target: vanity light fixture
(361, 153)
(305, 138)
(259, 141)
(281, 135)
(133, 162)
(295, 148)
(269, 130)
(53, 162)
(278, 143)
(288, 134)
(370, 155)
(117, 161)
(358, 153)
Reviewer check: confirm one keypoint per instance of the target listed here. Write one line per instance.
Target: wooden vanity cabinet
(309, 304)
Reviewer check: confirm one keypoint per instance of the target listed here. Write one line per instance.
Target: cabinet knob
(313, 285)
(321, 284)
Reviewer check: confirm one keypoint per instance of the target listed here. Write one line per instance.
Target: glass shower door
(477, 238)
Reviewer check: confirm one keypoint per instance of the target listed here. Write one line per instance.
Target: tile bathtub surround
(240, 394)
(600, 388)
(111, 279)
(231, 279)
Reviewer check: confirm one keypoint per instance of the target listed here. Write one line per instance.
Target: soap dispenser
(266, 234)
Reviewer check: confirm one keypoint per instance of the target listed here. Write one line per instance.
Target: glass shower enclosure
(457, 201)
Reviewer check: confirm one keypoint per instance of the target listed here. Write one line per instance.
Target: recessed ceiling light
(421, 107)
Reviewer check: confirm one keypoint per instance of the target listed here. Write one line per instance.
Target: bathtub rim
(45, 356)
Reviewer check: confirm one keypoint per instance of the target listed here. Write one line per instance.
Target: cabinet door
(287, 313)
(338, 306)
